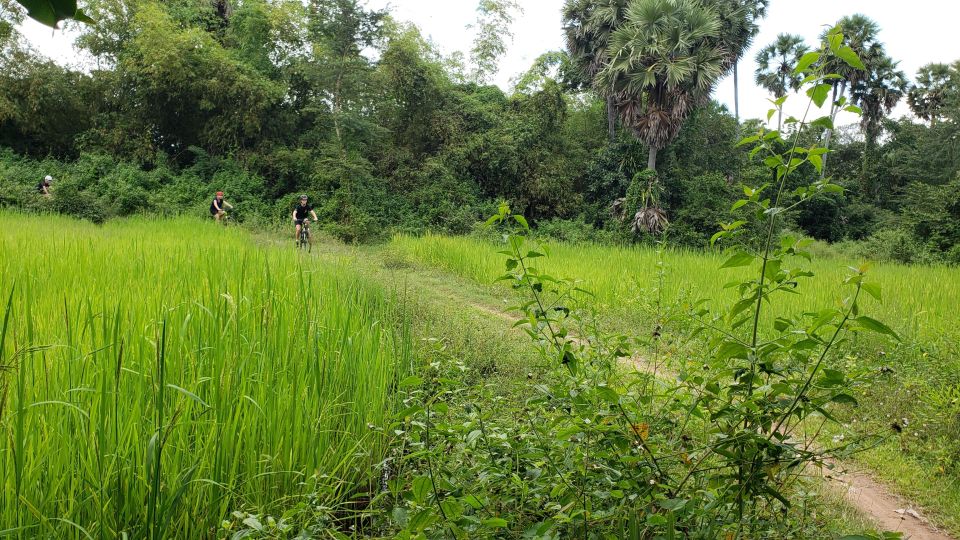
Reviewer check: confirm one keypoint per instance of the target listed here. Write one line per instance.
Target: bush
(69, 200)
(573, 231)
(441, 201)
(894, 245)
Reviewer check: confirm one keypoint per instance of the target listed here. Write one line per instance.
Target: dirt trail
(889, 511)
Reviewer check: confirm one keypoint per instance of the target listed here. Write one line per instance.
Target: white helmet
(48, 178)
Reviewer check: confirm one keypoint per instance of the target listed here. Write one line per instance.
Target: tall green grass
(919, 302)
(157, 375)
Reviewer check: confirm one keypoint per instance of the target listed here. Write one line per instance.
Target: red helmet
(219, 194)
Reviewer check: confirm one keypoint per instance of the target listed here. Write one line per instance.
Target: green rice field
(159, 376)
(155, 376)
(919, 302)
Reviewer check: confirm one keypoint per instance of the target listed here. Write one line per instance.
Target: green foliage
(493, 34)
(270, 99)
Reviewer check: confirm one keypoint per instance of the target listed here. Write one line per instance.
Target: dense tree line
(269, 98)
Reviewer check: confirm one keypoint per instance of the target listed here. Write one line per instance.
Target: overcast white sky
(915, 33)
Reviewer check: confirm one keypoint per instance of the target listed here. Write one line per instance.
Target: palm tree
(937, 85)
(860, 34)
(738, 27)
(587, 27)
(877, 94)
(775, 67)
(664, 60)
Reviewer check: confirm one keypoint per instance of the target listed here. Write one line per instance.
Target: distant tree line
(265, 99)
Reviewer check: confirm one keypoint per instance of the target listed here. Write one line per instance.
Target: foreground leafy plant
(714, 449)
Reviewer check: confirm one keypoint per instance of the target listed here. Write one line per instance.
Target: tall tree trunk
(783, 87)
(611, 119)
(867, 178)
(338, 104)
(652, 159)
(833, 117)
(736, 92)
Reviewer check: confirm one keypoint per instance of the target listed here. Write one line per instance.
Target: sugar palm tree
(877, 94)
(587, 26)
(937, 85)
(860, 34)
(664, 60)
(775, 64)
(738, 27)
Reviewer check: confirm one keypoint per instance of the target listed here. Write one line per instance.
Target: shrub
(69, 200)
(572, 230)
(895, 245)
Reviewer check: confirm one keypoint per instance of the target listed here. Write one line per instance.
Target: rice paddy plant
(918, 301)
(157, 375)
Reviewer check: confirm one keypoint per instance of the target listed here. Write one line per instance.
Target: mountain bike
(305, 241)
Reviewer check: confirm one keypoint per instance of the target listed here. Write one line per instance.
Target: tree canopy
(270, 98)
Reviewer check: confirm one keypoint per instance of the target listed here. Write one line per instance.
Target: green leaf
(522, 221)
(832, 377)
(741, 258)
(806, 61)
(845, 399)
(731, 349)
(748, 140)
(824, 122)
(81, 16)
(495, 523)
(51, 12)
(782, 324)
(819, 93)
(189, 394)
(874, 325)
(452, 508)
(777, 495)
(817, 162)
(835, 38)
(608, 394)
(873, 289)
(718, 236)
(410, 382)
(421, 487)
(773, 161)
(851, 57)
(422, 520)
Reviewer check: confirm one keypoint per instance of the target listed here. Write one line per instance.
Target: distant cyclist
(43, 187)
(301, 214)
(219, 207)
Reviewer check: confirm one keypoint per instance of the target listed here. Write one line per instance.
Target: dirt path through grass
(857, 486)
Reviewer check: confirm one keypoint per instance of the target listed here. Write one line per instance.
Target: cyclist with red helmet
(219, 207)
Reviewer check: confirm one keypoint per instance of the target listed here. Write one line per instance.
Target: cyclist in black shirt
(218, 207)
(301, 213)
(43, 187)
